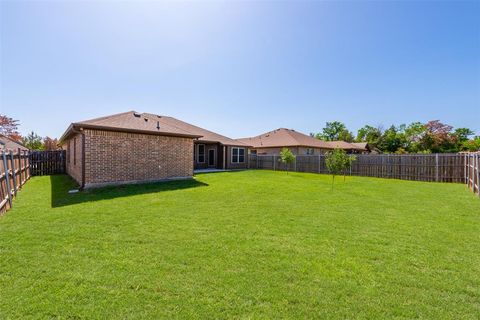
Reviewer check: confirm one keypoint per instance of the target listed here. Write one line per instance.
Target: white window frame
(238, 155)
(310, 151)
(198, 153)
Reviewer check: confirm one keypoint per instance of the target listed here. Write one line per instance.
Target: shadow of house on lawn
(61, 184)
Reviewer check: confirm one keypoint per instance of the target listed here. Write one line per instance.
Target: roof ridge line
(106, 117)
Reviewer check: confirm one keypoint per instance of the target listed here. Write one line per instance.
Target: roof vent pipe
(158, 125)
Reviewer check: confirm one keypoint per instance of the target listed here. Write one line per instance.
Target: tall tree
(438, 137)
(471, 145)
(9, 127)
(392, 140)
(50, 144)
(414, 134)
(369, 134)
(33, 141)
(335, 130)
(463, 134)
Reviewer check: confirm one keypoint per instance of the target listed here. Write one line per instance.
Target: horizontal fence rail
(14, 173)
(472, 172)
(47, 162)
(419, 167)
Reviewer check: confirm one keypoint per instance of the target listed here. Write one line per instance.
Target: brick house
(350, 147)
(7, 143)
(134, 147)
(212, 150)
(271, 143)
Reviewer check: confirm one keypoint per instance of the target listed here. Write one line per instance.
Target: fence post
(20, 166)
(12, 160)
(478, 174)
(350, 167)
(295, 165)
(7, 177)
(273, 162)
(319, 164)
(436, 167)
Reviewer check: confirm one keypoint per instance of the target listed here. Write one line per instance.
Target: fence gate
(47, 162)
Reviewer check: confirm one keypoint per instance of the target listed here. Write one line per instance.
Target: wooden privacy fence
(472, 172)
(420, 167)
(47, 162)
(14, 173)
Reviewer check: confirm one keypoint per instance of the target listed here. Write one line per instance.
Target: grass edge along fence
(472, 172)
(16, 168)
(441, 167)
(14, 173)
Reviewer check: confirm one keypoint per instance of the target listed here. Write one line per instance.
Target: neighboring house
(9, 144)
(349, 147)
(212, 150)
(365, 147)
(136, 147)
(271, 143)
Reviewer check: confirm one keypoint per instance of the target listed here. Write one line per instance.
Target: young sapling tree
(287, 157)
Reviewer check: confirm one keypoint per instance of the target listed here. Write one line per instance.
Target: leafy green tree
(463, 134)
(346, 135)
(33, 141)
(414, 133)
(391, 140)
(471, 145)
(338, 161)
(369, 134)
(333, 131)
(287, 157)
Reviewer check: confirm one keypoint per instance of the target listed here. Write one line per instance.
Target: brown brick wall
(120, 157)
(113, 157)
(73, 146)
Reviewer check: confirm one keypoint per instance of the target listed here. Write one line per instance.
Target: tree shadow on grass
(61, 184)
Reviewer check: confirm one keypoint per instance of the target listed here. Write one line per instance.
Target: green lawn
(251, 244)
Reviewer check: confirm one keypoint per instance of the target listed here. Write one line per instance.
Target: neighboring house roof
(346, 145)
(148, 123)
(206, 135)
(285, 138)
(10, 144)
(363, 145)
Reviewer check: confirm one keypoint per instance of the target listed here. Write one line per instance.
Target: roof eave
(80, 126)
(237, 144)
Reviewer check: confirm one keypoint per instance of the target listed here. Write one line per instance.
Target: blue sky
(241, 68)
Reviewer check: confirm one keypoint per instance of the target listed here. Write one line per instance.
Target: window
(201, 153)
(74, 151)
(310, 151)
(238, 155)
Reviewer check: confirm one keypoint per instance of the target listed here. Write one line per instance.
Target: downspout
(82, 133)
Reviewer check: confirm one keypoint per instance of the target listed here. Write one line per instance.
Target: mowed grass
(251, 244)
